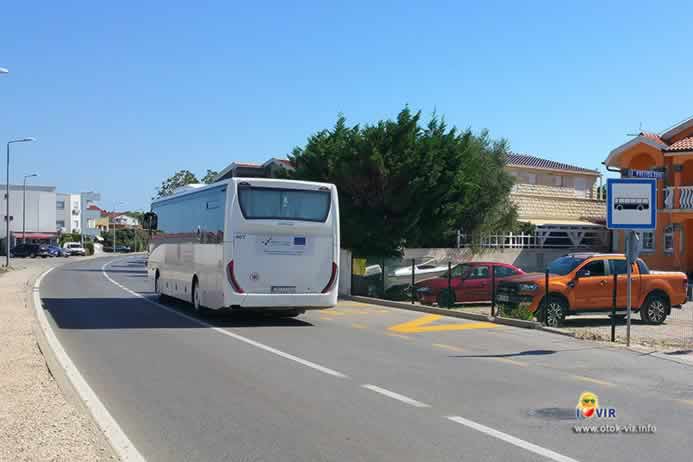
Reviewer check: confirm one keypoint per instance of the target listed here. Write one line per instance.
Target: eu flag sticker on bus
(299, 240)
(631, 203)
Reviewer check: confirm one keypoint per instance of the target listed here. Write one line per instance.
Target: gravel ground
(36, 421)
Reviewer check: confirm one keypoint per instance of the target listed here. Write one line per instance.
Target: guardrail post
(493, 291)
(449, 283)
(413, 281)
(546, 297)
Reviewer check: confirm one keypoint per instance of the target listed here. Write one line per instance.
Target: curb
(73, 384)
(446, 312)
(553, 330)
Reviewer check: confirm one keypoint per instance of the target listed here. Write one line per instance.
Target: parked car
(75, 248)
(31, 250)
(583, 283)
(58, 251)
(470, 282)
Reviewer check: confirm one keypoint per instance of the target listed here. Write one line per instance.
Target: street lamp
(7, 198)
(24, 207)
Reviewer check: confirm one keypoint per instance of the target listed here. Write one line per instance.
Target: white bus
(248, 244)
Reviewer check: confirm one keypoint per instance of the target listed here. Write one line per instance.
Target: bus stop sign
(631, 203)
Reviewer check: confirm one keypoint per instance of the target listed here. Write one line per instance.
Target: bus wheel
(196, 301)
(157, 289)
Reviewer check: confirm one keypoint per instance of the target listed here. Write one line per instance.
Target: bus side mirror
(150, 221)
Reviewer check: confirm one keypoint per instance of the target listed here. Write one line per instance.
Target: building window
(558, 181)
(60, 205)
(91, 224)
(75, 224)
(531, 178)
(669, 239)
(60, 224)
(648, 241)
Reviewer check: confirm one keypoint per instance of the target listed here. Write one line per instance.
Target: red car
(470, 282)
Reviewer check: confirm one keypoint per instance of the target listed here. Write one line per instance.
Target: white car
(74, 248)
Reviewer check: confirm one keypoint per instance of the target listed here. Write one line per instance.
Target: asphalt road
(355, 383)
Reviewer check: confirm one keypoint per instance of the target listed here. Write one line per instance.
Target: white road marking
(552, 455)
(254, 343)
(116, 436)
(397, 396)
(512, 440)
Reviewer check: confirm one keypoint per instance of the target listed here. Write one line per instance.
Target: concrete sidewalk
(36, 421)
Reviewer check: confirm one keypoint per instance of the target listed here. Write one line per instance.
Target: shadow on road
(511, 355)
(134, 313)
(142, 273)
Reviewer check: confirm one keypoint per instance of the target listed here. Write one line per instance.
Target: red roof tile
(685, 144)
(524, 160)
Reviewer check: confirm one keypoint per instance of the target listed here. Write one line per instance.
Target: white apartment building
(37, 206)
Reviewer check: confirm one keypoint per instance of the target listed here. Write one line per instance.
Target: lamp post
(24, 207)
(7, 199)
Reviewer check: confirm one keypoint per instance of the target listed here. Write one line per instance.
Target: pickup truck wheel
(554, 312)
(655, 309)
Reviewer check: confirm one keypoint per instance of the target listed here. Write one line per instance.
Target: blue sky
(122, 94)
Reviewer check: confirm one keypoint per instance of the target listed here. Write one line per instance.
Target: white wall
(40, 209)
(345, 272)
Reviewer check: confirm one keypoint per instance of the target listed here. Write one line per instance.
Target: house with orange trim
(670, 246)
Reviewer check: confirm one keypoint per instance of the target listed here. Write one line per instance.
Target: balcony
(685, 201)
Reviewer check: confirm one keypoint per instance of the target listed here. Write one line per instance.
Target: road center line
(254, 343)
(512, 440)
(397, 396)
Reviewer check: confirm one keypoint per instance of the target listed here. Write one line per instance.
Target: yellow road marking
(421, 325)
(448, 347)
(591, 380)
(358, 326)
(399, 336)
(511, 361)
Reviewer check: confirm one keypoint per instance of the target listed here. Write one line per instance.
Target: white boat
(422, 271)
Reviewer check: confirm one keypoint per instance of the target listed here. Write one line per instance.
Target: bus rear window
(283, 204)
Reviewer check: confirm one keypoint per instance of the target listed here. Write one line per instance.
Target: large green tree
(182, 178)
(402, 183)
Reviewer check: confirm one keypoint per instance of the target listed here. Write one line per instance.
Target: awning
(553, 221)
(35, 235)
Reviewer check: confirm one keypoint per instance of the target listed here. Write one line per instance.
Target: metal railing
(685, 197)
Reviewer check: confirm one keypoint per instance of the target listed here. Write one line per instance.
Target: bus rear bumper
(279, 301)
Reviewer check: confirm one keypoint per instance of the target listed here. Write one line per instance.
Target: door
(476, 284)
(592, 289)
(618, 267)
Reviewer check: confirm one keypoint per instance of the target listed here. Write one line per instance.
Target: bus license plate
(283, 289)
(502, 298)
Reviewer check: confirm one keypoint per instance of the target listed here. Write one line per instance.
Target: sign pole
(629, 283)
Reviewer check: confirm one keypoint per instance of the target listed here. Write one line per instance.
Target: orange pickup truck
(583, 283)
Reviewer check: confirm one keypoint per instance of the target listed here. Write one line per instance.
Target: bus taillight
(232, 279)
(332, 280)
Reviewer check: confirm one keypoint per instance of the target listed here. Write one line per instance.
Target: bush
(520, 311)
(89, 247)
